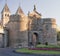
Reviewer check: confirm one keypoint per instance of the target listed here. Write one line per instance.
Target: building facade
(22, 30)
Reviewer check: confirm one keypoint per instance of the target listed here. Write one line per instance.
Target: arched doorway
(35, 39)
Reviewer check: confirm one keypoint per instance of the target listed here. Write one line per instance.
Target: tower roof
(5, 9)
(34, 13)
(19, 11)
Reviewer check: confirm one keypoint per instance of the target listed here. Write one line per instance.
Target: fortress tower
(23, 19)
(5, 14)
(18, 29)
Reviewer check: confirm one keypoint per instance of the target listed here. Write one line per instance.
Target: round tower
(23, 27)
(23, 19)
(5, 14)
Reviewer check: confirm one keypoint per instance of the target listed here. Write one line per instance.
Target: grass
(48, 46)
(26, 50)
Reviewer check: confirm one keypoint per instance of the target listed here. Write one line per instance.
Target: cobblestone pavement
(9, 52)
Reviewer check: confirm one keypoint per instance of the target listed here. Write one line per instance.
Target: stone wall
(1, 40)
(50, 31)
(46, 30)
(16, 35)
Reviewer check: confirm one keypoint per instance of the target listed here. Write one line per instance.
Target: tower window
(5, 14)
(8, 15)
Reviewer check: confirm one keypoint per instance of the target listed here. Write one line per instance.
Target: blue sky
(48, 8)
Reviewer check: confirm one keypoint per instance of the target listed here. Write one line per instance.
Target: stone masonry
(22, 30)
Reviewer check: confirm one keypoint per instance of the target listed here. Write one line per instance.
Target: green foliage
(39, 42)
(47, 46)
(25, 50)
(46, 43)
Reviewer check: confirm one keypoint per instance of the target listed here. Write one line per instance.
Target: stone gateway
(21, 30)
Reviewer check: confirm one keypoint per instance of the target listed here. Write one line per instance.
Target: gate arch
(35, 38)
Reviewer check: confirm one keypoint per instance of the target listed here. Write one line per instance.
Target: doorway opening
(35, 39)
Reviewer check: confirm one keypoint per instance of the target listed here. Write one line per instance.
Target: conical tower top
(5, 9)
(19, 11)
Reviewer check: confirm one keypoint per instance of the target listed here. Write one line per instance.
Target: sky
(48, 8)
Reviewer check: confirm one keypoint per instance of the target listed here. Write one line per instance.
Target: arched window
(5, 14)
(8, 15)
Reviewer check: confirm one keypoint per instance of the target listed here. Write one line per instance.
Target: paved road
(9, 52)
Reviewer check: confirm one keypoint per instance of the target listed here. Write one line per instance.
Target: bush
(46, 43)
(39, 42)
